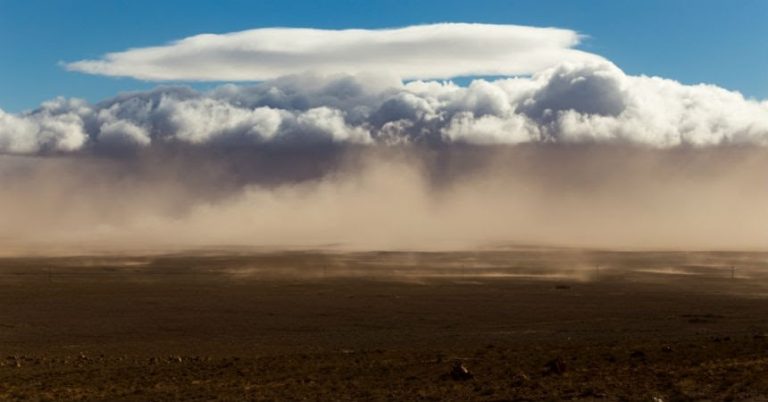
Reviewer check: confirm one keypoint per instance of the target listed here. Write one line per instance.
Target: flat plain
(488, 325)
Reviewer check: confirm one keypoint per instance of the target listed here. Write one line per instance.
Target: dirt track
(386, 326)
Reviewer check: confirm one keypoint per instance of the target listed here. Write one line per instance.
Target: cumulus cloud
(56, 126)
(424, 51)
(572, 103)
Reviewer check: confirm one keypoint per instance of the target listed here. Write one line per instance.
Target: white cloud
(55, 127)
(414, 52)
(351, 94)
(490, 129)
(202, 120)
(121, 133)
(327, 123)
(571, 103)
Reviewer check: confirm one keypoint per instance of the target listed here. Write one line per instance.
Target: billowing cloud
(415, 52)
(567, 104)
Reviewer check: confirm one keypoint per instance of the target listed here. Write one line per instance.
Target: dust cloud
(388, 197)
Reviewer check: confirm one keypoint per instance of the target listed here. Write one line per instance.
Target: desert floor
(528, 324)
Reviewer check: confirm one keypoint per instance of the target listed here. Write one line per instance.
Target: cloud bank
(567, 104)
(415, 52)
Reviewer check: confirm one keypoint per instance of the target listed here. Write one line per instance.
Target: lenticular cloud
(592, 102)
(415, 52)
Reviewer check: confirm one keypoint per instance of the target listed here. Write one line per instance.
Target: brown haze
(609, 196)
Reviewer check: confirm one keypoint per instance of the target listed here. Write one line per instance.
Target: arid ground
(527, 324)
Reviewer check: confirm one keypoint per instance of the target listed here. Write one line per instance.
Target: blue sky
(718, 42)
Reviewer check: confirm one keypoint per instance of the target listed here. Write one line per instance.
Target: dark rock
(637, 355)
(486, 391)
(520, 379)
(460, 373)
(592, 393)
(555, 366)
